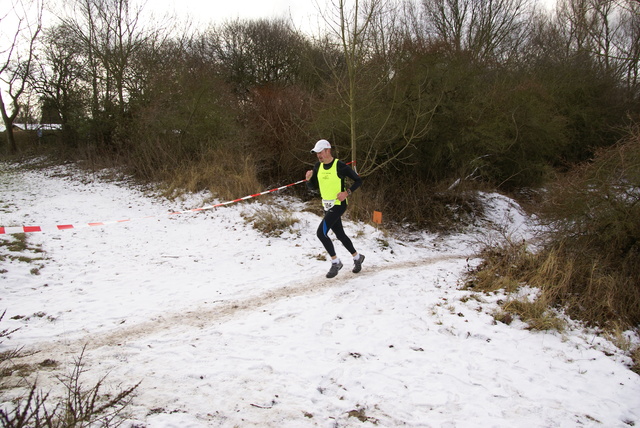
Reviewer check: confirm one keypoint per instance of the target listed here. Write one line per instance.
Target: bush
(80, 407)
(594, 214)
(275, 121)
(590, 261)
(272, 220)
(404, 200)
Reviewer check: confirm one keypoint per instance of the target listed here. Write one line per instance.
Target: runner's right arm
(312, 183)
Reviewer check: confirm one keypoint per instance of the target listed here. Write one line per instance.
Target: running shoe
(335, 267)
(357, 264)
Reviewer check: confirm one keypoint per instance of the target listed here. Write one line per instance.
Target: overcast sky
(215, 10)
(303, 12)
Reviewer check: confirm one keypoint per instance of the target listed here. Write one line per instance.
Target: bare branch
(16, 62)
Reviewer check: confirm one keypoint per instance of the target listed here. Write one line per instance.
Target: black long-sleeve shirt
(343, 171)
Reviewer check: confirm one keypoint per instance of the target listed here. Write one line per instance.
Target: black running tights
(333, 221)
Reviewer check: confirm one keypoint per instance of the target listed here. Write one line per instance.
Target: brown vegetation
(589, 264)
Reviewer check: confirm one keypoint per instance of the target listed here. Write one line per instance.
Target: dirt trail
(205, 315)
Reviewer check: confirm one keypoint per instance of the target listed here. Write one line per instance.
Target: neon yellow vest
(329, 182)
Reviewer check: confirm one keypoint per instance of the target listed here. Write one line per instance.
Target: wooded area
(421, 94)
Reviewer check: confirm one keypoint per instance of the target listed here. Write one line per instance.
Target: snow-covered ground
(225, 327)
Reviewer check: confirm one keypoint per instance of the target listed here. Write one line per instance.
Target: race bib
(327, 205)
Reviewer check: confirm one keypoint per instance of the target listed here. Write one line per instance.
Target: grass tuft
(272, 220)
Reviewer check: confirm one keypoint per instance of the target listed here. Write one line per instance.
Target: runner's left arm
(345, 170)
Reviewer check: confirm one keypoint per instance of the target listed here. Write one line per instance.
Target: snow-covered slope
(226, 327)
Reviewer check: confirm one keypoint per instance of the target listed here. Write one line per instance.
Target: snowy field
(225, 327)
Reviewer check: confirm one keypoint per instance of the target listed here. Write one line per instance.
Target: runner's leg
(333, 221)
(342, 236)
(330, 217)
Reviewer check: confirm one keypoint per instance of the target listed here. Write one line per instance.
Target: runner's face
(324, 156)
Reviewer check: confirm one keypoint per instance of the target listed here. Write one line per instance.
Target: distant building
(33, 127)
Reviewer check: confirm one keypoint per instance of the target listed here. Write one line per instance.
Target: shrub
(405, 200)
(80, 407)
(593, 213)
(272, 220)
(589, 263)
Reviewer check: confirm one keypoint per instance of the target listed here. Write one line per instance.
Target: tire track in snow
(201, 317)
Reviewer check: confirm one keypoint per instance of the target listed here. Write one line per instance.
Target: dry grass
(536, 314)
(227, 175)
(590, 261)
(272, 220)
(593, 255)
(619, 337)
(587, 285)
(565, 280)
(501, 268)
(406, 201)
(505, 268)
(635, 356)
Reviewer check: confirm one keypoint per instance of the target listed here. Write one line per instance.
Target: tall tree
(386, 115)
(257, 52)
(60, 79)
(631, 46)
(16, 60)
(351, 23)
(491, 30)
(110, 35)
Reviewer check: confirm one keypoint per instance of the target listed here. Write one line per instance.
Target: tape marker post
(8, 230)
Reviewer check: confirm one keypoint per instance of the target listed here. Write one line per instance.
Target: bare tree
(351, 24)
(604, 32)
(59, 78)
(587, 28)
(486, 30)
(369, 36)
(16, 61)
(122, 38)
(258, 52)
(449, 21)
(631, 47)
(617, 39)
(109, 34)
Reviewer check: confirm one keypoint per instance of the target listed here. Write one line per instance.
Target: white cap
(320, 146)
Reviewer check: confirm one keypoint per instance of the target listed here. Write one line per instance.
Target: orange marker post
(377, 217)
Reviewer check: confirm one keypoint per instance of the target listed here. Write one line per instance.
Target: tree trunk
(12, 147)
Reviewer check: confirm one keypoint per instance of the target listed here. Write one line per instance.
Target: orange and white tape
(7, 230)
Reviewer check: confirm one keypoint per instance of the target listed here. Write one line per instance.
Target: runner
(330, 180)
